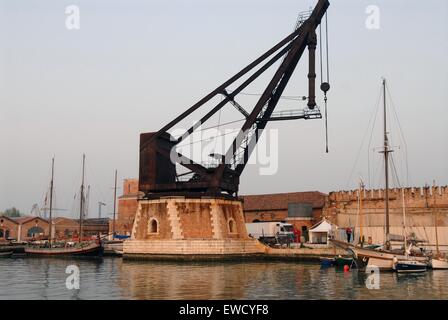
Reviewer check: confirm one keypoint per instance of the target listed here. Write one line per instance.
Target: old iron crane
(157, 173)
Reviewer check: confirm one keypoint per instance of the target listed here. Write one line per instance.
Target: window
(35, 231)
(2, 233)
(153, 226)
(232, 226)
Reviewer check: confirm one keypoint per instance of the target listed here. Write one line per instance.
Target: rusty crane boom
(157, 173)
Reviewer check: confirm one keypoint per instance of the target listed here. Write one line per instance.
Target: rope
(372, 116)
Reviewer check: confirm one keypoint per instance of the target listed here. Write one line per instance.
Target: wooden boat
(83, 249)
(439, 263)
(384, 257)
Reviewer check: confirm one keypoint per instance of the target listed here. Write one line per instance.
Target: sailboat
(437, 261)
(86, 248)
(383, 257)
(409, 264)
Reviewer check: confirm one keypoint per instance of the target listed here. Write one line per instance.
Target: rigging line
(371, 134)
(95, 180)
(374, 113)
(401, 133)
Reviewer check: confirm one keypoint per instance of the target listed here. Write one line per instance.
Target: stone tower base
(191, 229)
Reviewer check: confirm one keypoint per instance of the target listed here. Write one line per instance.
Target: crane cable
(325, 86)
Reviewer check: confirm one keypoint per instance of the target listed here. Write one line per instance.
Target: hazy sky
(135, 65)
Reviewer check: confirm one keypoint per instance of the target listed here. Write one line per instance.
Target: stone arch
(232, 225)
(153, 226)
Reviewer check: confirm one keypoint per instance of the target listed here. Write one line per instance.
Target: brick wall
(8, 229)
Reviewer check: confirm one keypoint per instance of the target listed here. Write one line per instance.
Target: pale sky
(135, 65)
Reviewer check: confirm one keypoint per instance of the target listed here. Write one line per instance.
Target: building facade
(301, 209)
(127, 208)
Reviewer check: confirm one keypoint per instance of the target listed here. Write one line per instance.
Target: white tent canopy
(320, 232)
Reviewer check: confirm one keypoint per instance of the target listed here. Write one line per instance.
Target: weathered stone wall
(423, 207)
(134, 248)
(189, 219)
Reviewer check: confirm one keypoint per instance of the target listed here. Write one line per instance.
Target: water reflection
(112, 278)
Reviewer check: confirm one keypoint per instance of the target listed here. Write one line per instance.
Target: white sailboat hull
(439, 264)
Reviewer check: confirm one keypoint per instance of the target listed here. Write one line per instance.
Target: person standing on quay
(348, 231)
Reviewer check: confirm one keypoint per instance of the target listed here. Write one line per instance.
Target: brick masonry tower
(190, 228)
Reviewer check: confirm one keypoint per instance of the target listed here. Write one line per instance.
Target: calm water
(112, 278)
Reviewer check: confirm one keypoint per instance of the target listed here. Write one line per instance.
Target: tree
(12, 212)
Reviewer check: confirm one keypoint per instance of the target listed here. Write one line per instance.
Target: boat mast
(51, 201)
(404, 223)
(386, 163)
(115, 200)
(360, 213)
(82, 199)
(435, 219)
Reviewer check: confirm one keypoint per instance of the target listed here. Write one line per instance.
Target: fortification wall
(424, 207)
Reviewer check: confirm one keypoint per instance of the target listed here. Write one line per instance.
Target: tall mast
(82, 199)
(115, 201)
(435, 219)
(404, 223)
(51, 201)
(386, 161)
(361, 189)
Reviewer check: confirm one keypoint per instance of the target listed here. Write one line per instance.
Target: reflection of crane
(158, 174)
(100, 204)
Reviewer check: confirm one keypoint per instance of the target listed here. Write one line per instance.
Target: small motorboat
(327, 261)
(439, 263)
(410, 266)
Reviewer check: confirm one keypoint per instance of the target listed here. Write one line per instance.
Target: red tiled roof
(22, 220)
(8, 218)
(280, 201)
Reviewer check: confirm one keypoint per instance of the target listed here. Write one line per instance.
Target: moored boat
(327, 261)
(409, 266)
(439, 263)
(82, 249)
